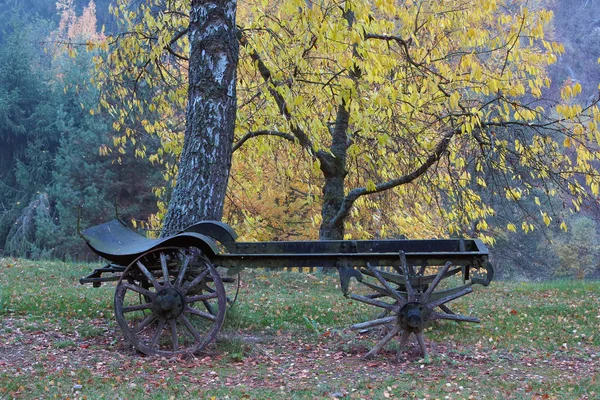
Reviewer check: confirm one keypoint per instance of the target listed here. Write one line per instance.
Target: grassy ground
(285, 338)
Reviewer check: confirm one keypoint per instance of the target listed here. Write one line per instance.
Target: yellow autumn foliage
(442, 103)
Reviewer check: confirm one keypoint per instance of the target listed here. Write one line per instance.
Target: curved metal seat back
(118, 244)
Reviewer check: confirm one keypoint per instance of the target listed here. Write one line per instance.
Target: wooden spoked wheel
(408, 300)
(170, 301)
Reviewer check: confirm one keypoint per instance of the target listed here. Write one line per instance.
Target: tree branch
(512, 46)
(298, 133)
(174, 39)
(354, 194)
(251, 135)
(405, 44)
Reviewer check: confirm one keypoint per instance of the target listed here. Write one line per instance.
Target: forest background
(60, 148)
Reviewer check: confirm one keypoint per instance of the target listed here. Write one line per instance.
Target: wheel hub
(169, 303)
(414, 317)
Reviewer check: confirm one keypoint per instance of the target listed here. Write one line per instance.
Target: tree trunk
(333, 194)
(206, 156)
(334, 171)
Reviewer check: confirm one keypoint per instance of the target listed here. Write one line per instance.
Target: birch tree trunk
(210, 117)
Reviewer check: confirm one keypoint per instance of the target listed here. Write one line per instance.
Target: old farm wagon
(170, 298)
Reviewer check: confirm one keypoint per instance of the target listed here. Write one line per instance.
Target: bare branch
(251, 135)
(174, 39)
(512, 46)
(354, 194)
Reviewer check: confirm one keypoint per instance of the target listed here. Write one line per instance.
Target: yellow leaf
(371, 185)
(547, 219)
(563, 226)
(454, 100)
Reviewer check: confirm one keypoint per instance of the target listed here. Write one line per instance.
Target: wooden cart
(170, 298)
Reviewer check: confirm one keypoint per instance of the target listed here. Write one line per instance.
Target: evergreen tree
(28, 134)
(81, 175)
(49, 143)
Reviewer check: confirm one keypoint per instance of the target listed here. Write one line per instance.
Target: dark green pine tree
(28, 131)
(82, 176)
(49, 149)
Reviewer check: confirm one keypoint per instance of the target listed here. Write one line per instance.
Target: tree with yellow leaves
(438, 98)
(435, 102)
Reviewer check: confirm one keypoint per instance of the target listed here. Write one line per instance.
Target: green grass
(286, 338)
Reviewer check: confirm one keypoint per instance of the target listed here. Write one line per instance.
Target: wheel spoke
(432, 304)
(147, 321)
(140, 290)
(196, 281)
(376, 303)
(137, 307)
(438, 278)
(191, 328)
(398, 268)
(447, 292)
(379, 289)
(421, 341)
(149, 275)
(165, 270)
(383, 314)
(209, 307)
(446, 309)
(156, 336)
(182, 272)
(392, 277)
(199, 313)
(201, 297)
(404, 339)
(375, 350)
(393, 292)
(409, 289)
(454, 317)
(402, 345)
(174, 338)
(372, 323)
(376, 295)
